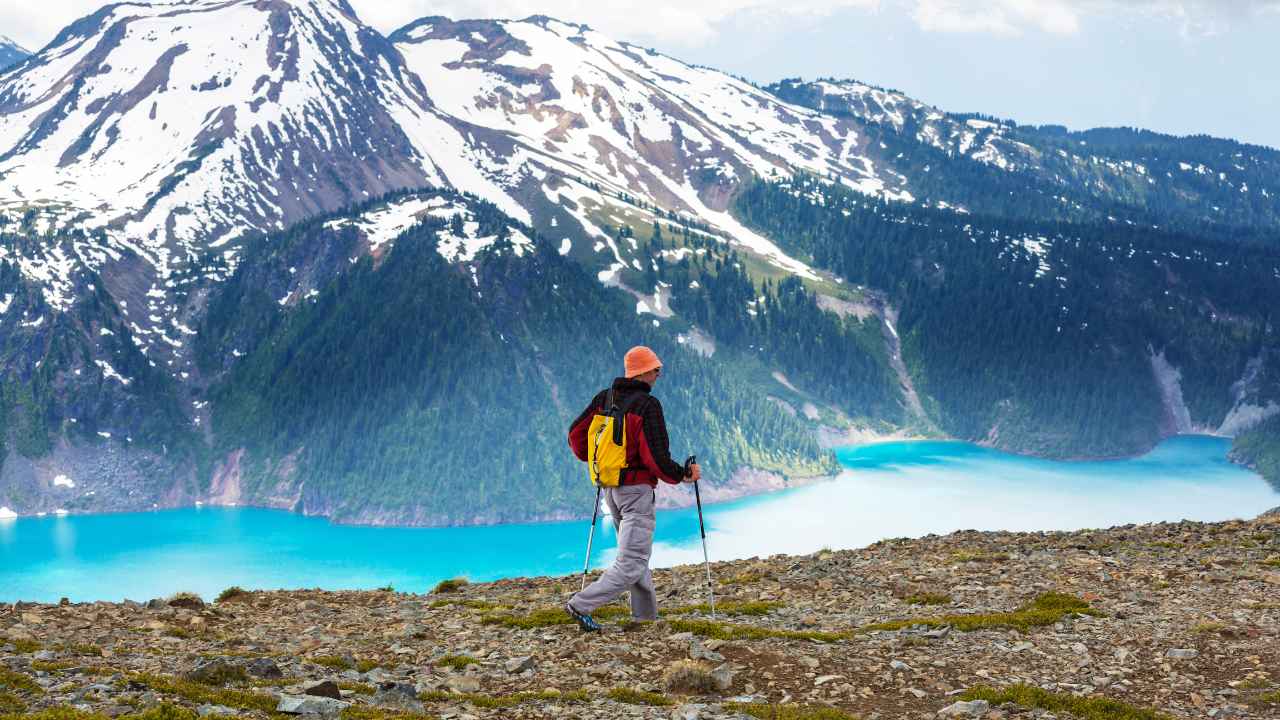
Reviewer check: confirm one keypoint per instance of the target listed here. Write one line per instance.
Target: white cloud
(1065, 17)
(693, 22)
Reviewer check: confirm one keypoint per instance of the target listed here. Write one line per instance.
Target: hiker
(648, 459)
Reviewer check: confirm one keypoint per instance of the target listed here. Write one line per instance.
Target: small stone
(309, 705)
(519, 664)
(464, 683)
(205, 710)
(826, 679)
(328, 689)
(899, 665)
(264, 668)
(972, 708)
(808, 661)
(402, 696)
(723, 677)
(1182, 653)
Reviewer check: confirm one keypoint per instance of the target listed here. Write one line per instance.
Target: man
(631, 503)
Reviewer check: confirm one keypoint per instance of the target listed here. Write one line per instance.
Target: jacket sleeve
(578, 430)
(655, 448)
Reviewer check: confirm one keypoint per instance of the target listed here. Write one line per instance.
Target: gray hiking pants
(632, 507)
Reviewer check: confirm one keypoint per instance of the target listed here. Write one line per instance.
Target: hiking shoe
(586, 622)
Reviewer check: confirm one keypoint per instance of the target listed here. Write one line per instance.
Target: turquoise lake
(889, 490)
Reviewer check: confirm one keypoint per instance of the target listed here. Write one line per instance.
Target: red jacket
(648, 448)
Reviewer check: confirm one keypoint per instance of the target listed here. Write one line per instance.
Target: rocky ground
(1131, 623)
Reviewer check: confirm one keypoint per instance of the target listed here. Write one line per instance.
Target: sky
(1177, 66)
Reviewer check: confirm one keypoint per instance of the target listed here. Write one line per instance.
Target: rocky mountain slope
(185, 184)
(11, 53)
(1138, 622)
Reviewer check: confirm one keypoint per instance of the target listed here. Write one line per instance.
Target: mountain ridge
(632, 167)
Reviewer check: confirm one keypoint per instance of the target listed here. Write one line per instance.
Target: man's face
(651, 377)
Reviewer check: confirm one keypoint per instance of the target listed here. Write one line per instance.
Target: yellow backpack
(607, 443)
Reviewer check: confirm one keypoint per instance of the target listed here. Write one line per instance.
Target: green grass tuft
(638, 697)
(735, 631)
(501, 701)
(1046, 609)
(770, 711)
(1085, 708)
(928, 598)
(456, 662)
(235, 592)
(12, 680)
(22, 646)
(11, 704)
(546, 617)
(336, 662)
(366, 712)
(201, 694)
(979, 557)
(447, 586)
(481, 605)
(356, 687)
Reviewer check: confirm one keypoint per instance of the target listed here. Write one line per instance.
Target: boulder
(401, 696)
(972, 708)
(327, 689)
(264, 668)
(310, 705)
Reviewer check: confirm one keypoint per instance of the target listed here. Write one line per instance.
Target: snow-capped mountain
(157, 159)
(11, 52)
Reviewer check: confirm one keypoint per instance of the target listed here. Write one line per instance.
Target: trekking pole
(590, 537)
(711, 593)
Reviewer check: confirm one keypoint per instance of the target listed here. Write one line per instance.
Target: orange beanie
(640, 360)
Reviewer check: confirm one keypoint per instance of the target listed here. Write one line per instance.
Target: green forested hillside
(1259, 448)
(1039, 337)
(416, 390)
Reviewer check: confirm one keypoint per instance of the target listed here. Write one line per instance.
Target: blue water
(890, 490)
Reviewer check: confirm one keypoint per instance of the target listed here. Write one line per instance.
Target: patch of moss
(364, 665)
(56, 713)
(201, 694)
(745, 578)
(1271, 698)
(456, 662)
(163, 711)
(771, 711)
(22, 646)
(1045, 609)
(1272, 562)
(1167, 545)
(51, 665)
(735, 631)
(11, 704)
(235, 592)
(188, 600)
(979, 557)
(689, 677)
(928, 598)
(500, 701)
(12, 680)
(1085, 708)
(1206, 628)
(447, 586)
(337, 662)
(356, 687)
(83, 649)
(638, 697)
(366, 712)
(481, 605)
(546, 617)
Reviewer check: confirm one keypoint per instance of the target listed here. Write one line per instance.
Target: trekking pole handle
(693, 460)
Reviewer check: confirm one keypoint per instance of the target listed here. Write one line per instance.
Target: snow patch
(63, 481)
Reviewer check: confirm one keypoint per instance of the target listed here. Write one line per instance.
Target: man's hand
(695, 473)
